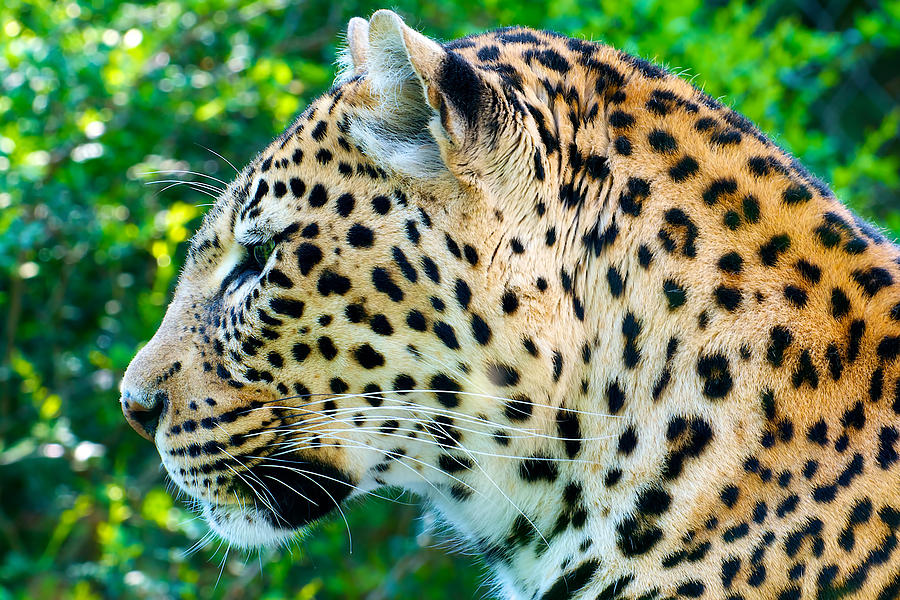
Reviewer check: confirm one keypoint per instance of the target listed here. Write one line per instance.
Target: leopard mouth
(289, 494)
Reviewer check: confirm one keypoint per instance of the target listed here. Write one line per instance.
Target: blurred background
(94, 94)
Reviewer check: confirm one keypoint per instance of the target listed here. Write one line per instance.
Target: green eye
(262, 252)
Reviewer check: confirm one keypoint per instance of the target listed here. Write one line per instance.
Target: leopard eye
(262, 252)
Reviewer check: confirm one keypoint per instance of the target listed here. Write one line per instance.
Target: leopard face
(617, 339)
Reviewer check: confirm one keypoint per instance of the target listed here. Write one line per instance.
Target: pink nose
(143, 414)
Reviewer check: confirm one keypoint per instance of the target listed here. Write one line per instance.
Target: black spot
(278, 278)
(631, 199)
(795, 295)
(323, 156)
(780, 338)
(750, 206)
(569, 430)
(453, 464)
(596, 167)
(631, 329)
(730, 568)
(431, 269)
(326, 347)
(509, 302)
(621, 119)
(873, 280)
(447, 389)
(345, 204)
(403, 383)
(714, 369)
(463, 293)
(679, 219)
(731, 263)
(381, 205)
(310, 231)
(675, 293)
(773, 249)
(262, 188)
(480, 330)
(568, 585)
(809, 271)
(416, 320)
(368, 357)
(857, 330)
(645, 256)
(615, 397)
(381, 325)
(835, 364)
(308, 256)
(636, 537)
(623, 145)
(300, 351)
(840, 303)
(287, 307)
(538, 468)
(728, 298)
(683, 169)
(614, 279)
(627, 441)
(876, 385)
(662, 141)
(502, 375)
(331, 282)
(653, 501)
(796, 194)
(691, 589)
(446, 334)
(887, 453)
(518, 408)
(471, 254)
(319, 130)
(318, 196)
(805, 372)
(717, 189)
(360, 236)
(549, 58)
(489, 53)
(381, 278)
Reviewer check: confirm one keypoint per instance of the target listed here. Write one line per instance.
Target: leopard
(614, 338)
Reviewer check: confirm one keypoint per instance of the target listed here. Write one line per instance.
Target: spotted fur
(615, 337)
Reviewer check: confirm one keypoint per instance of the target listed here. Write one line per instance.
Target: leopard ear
(426, 100)
(355, 57)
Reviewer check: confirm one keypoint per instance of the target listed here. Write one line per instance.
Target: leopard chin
(288, 495)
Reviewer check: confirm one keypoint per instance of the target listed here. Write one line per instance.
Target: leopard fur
(624, 345)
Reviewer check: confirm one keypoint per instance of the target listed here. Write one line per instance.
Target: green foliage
(98, 94)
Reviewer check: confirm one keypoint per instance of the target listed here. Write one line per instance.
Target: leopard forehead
(622, 342)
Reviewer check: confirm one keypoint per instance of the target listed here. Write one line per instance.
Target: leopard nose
(144, 413)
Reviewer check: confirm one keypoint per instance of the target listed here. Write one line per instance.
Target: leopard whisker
(428, 391)
(187, 172)
(220, 156)
(479, 452)
(337, 504)
(320, 416)
(198, 185)
(437, 443)
(350, 443)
